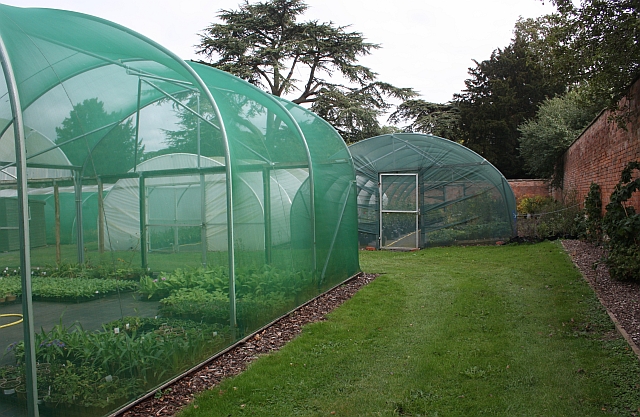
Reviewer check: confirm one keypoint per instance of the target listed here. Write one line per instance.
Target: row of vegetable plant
(202, 294)
(102, 369)
(67, 289)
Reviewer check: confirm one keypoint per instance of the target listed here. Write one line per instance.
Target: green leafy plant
(102, 368)
(67, 289)
(621, 223)
(545, 218)
(592, 214)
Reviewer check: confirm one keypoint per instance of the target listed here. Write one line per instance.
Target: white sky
(427, 45)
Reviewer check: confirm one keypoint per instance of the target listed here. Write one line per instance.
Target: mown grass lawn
(459, 331)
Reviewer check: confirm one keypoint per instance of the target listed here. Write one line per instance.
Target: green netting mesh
(418, 190)
(178, 208)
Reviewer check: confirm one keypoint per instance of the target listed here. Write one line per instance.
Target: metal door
(399, 211)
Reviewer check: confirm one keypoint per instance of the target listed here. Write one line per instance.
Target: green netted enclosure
(156, 211)
(417, 190)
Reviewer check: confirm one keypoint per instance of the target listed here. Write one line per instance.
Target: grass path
(461, 331)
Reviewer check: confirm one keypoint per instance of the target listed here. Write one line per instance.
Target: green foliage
(598, 43)
(621, 223)
(592, 214)
(557, 123)
(432, 118)
(354, 111)
(545, 218)
(534, 204)
(108, 367)
(265, 44)
(197, 305)
(503, 92)
(67, 289)
(108, 144)
(202, 294)
(192, 133)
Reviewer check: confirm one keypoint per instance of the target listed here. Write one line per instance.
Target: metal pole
(56, 205)
(77, 182)
(203, 219)
(100, 216)
(417, 208)
(203, 194)
(23, 232)
(135, 152)
(312, 192)
(266, 184)
(143, 221)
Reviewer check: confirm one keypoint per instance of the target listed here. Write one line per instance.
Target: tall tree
(433, 118)
(264, 44)
(102, 142)
(502, 92)
(600, 44)
(558, 122)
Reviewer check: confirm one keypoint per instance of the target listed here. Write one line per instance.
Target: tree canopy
(107, 138)
(265, 44)
(503, 92)
(546, 137)
(431, 118)
(599, 43)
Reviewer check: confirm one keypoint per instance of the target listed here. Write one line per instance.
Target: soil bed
(621, 299)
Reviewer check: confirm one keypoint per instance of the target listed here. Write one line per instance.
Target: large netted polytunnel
(183, 209)
(417, 190)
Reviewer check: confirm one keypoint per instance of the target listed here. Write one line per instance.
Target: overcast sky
(427, 45)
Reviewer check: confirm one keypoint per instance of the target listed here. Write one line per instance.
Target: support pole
(266, 184)
(203, 219)
(56, 204)
(135, 152)
(77, 182)
(23, 232)
(143, 221)
(100, 217)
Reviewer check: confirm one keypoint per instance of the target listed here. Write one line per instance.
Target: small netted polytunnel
(417, 190)
(160, 211)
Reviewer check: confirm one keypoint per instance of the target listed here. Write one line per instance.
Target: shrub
(533, 204)
(592, 214)
(546, 218)
(621, 224)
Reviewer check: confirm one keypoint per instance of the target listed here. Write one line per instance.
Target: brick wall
(529, 188)
(600, 154)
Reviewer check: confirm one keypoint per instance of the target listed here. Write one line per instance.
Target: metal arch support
(23, 231)
(312, 198)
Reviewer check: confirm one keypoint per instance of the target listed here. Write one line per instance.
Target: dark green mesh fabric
(213, 206)
(434, 192)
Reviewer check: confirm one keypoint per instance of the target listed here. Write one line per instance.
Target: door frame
(382, 211)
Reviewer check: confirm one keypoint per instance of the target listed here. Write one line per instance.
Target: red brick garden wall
(602, 151)
(529, 188)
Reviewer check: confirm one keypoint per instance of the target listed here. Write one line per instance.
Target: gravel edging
(621, 299)
(232, 362)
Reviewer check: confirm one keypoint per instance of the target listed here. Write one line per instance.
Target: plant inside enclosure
(621, 223)
(202, 294)
(104, 368)
(67, 289)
